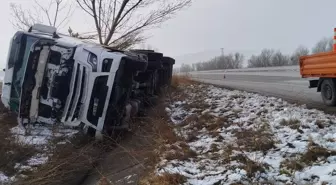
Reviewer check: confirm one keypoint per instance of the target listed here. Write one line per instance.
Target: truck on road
(321, 68)
(53, 78)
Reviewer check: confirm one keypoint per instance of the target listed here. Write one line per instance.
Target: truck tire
(328, 92)
(168, 60)
(154, 58)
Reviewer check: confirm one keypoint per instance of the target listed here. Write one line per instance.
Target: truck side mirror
(3, 69)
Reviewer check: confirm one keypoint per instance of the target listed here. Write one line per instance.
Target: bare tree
(299, 52)
(230, 61)
(262, 60)
(238, 60)
(279, 59)
(186, 68)
(254, 61)
(52, 12)
(324, 45)
(269, 58)
(120, 23)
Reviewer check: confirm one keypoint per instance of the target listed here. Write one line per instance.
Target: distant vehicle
(53, 78)
(323, 67)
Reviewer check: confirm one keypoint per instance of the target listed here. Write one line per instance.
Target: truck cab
(53, 78)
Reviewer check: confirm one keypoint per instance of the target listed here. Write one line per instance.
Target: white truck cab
(52, 78)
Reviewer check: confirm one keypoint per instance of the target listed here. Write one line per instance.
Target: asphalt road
(284, 84)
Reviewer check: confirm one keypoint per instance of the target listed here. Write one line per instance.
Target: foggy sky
(198, 33)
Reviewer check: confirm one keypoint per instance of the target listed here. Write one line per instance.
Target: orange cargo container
(322, 66)
(318, 65)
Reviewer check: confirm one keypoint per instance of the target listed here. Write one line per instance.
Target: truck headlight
(92, 60)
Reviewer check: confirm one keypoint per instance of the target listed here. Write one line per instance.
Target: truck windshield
(19, 69)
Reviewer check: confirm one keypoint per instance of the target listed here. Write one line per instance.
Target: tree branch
(58, 2)
(46, 11)
(26, 18)
(119, 21)
(100, 14)
(114, 24)
(66, 17)
(130, 10)
(98, 27)
(83, 8)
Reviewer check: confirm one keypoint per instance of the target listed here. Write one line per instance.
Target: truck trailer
(321, 68)
(53, 78)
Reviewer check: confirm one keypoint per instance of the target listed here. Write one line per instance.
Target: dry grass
(11, 152)
(176, 91)
(260, 139)
(163, 140)
(316, 152)
(206, 120)
(321, 124)
(218, 123)
(164, 179)
(226, 156)
(181, 152)
(162, 135)
(291, 123)
(291, 164)
(104, 181)
(178, 80)
(68, 164)
(250, 166)
(198, 103)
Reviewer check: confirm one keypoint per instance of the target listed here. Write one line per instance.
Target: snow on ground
(40, 137)
(246, 138)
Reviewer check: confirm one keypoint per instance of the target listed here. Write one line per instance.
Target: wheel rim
(327, 92)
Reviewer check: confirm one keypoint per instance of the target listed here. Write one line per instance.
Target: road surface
(284, 83)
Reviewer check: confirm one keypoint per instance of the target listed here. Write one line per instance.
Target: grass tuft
(255, 140)
(316, 152)
(11, 151)
(251, 167)
(178, 80)
(164, 179)
(68, 164)
(291, 123)
(292, 165)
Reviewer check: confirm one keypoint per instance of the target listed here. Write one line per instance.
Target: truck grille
(76, 95)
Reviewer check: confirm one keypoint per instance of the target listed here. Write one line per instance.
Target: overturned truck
(53, 78)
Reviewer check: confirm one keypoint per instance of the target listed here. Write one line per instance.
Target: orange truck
(322, 67)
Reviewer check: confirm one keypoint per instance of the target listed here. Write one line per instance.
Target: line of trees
(230, 61)
(267, 58)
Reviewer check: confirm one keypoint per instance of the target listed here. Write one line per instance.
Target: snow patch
(221, 160)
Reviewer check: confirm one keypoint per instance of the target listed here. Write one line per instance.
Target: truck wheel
(328, 92)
